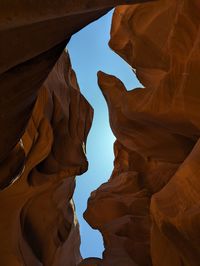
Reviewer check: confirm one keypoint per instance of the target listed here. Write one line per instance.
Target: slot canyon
(148, 210)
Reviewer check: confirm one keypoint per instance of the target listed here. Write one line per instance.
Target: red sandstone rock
(33, 36)
(148, 212)
(91, 262)
(123, 211)
(44, 129)
(38, 224)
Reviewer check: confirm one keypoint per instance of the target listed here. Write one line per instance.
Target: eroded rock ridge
(44, 125)
(149, 210)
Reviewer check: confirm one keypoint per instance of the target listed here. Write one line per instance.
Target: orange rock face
(33, 36)
(149, 210)
(45, 122)
(38, 225)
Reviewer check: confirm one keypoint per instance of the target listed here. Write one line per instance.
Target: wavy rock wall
(44, 125)
(149, 210)
(38, 225)
(33, 35)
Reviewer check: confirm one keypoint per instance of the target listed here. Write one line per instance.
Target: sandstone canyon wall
(33, 35)
(44, 125)
(149, 210)
(38, 224)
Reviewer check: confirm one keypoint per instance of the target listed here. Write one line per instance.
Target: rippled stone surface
(38, 223)
(33, 35)
(44, 125)
(148, 212)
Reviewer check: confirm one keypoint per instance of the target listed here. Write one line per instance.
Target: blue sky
(90, 53)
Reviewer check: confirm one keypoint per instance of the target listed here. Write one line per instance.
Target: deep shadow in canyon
(148, 211)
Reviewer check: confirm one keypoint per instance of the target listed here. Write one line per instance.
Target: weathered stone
(38, 224)
(33, 36)
(148, 212)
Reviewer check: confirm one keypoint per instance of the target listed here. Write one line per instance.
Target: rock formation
(33, 36)
(45, 121)
(38, 225)
(149, 210)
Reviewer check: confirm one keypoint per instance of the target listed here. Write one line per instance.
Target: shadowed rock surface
(38, 223)
(33, 35)
(149, 210)
(45, 122)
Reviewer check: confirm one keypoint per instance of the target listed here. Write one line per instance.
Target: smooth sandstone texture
(33, 35)
(149, 210)
(38, 223)
(45, 122)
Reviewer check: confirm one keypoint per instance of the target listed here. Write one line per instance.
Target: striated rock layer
(38, 224)
(45, 122)
(149, 210)
(33, 35)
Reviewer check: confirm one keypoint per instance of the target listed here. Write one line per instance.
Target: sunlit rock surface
(149, 210)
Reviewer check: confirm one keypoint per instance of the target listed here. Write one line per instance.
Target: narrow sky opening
(90, 53)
